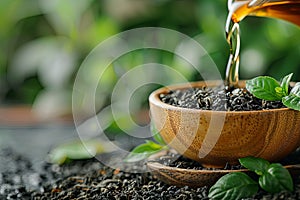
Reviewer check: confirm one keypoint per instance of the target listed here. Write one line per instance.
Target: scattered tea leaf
(276, 179)
(258, 165)
(233, 186)
(264, 87)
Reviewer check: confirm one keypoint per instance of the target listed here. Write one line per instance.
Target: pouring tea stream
(288, 10)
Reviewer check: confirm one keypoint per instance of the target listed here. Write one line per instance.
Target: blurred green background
(43, 43)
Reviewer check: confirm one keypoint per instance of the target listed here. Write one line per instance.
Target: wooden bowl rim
(155, 100)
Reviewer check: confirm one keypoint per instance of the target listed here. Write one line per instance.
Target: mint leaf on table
(77, 150)
(264, 87)
(233, 186)
(285, 84)
(276, 179)
(143, 151)
(293, 99)
(257, 165)
(156, 135)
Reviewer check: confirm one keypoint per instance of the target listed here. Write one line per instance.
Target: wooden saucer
(195, 178)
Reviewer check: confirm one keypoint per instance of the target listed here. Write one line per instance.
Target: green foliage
(77, 150)
(233, 186)
(264, 87)
(258, 165)
(156, 136)
(285, 83)
(147, 149)
(268, 88)
(293, 99)
(273, 178)
(84, 24)
(276, 179)
(143, 151)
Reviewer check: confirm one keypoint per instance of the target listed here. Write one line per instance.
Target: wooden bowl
(196, 178)
(217, 137)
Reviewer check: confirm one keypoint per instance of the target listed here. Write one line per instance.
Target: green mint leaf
(233, 186)
(153, 145)
(276, 179)
(156, 135)
(279, 91)
(258, 165)
(143, 151)
(285, 84)
(296, 90)
(263, 87)
(76, 150)
(293, 99)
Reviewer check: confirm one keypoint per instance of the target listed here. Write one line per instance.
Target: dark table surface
(34, 142)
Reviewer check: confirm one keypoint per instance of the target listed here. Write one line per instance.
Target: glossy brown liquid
(286, 10)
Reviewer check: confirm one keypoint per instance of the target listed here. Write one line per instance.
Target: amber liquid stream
(286, 10)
